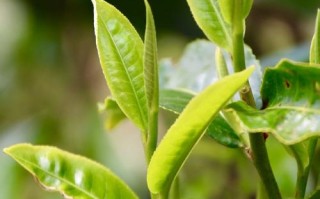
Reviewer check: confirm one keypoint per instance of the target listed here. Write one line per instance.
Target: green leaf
(208, 17)
(182, 136)
(300, 153)
(113, 113)
(227, 8)
(291, 95)
(219, 129)
(152, 81)
(315, 44)
(175, 100)
(151, 60)
(121, 56)
(72, 175)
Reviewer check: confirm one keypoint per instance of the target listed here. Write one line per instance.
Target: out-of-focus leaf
(315, 194)
(227, 9)
(151, 60)
(291, 95)
(73, 176)
(113, 113)
(121, 56)
(315, 44)
(208, 17)
(300, 153)
(182, 136)
(297, 53)
(175, 100)
(218, 129)
(196, 69)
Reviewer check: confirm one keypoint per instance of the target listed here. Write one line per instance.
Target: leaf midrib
(128, 76)
(222, 22)
(55, 176)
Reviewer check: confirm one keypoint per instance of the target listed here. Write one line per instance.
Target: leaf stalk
(258, 148)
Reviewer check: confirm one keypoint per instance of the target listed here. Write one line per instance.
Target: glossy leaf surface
(218, 129)
(113, 113)
(291, 93)
(315, 45)
(208, 17)
(182, 136)
(72, 175)
(121, 56)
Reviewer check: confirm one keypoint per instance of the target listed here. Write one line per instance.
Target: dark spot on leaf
(287, 84)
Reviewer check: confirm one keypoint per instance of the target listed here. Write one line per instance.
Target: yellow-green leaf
(71, 175)
(208, 17)
(113, 115)
(190, 126)
(120, 51)
(228, 8)
(151, 60)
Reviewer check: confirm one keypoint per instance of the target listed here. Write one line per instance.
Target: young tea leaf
(219, 129)
(208, 17)
(71, 175)
(121, 56)
(151, 60)
(188, 129)
(113, 113)
(227, 8)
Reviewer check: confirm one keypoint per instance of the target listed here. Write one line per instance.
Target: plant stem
(303, 173)
(261, 161)
(258, 148)
(152, 138)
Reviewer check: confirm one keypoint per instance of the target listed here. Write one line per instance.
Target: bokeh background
(51, 81)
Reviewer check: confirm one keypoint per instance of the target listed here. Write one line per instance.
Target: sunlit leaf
(72, 175)
(218, 129)
(208, 17)
(315, 45)
(291, 95)
(182, 136)
(121, 56)
(113, 113)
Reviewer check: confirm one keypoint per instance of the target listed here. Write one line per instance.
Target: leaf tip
(11, 149)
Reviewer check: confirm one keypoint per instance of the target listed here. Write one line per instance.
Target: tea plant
(287, 106)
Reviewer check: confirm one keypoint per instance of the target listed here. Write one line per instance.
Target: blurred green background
(51, 81)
